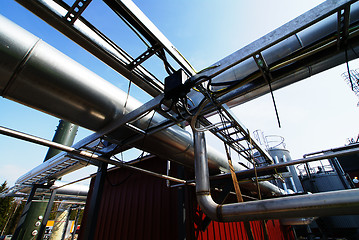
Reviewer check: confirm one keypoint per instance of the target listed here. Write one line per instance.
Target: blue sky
(317, 113)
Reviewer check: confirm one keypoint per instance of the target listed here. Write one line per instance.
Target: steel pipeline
(345, 202)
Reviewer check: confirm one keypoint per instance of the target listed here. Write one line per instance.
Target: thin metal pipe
(331, 150)
(290, 163)
(180, 148)
(296, 221)
(59, 201)
(343, 202)
(44, 142)
(70, 183)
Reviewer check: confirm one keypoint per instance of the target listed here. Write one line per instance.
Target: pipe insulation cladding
(37, 75)
(343, 202)
(301, 55)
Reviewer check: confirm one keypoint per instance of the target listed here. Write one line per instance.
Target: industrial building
(180, 187)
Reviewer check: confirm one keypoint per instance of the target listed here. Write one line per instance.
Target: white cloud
(11, 172)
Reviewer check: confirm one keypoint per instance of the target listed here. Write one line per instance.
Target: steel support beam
(46, 215)
(96, 43)
(76, 223)
(95, 201)
(21, 223)
(129, 11)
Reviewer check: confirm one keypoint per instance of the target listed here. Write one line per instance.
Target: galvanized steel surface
(322, 204)
(277, 47)
(41, 77)
(88, 37)
(51, 82)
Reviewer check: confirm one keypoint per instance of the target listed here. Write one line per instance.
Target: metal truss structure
(301, 51)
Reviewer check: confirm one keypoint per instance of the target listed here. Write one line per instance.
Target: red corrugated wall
(236, 230)
(139, 206)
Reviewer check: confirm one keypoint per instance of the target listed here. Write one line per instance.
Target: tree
(16, 210)
(5, 207)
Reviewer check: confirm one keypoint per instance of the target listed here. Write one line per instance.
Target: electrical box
(174, 85)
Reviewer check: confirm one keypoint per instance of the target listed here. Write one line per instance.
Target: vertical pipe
(66, 223)
(60, 221)
(276, 161)
(64, 134)
(168, 183)
(181, 207)
(75, 224)
(291, 171)
(307, 168)
(340, 172)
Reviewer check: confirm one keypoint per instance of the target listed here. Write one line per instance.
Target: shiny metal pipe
(84, 154)
(88, 37)
(71, 190)
(326, 155)
(296, 221)
(278, 49)
(39, 76)
(345, 202)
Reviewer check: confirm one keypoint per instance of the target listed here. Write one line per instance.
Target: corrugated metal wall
(138, 206)
(236, 230)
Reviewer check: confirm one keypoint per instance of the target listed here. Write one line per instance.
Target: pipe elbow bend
(209, 207)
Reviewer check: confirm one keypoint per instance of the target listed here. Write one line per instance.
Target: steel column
(95, 201)
(21, 223)
(76, 222)
(46, 215)
(67, 223)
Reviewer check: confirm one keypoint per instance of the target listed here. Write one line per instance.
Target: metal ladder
(233, 133)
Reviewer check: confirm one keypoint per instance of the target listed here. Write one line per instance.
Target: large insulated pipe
(88, 37)
(37, 75)
(344, 202)
(317, 43)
